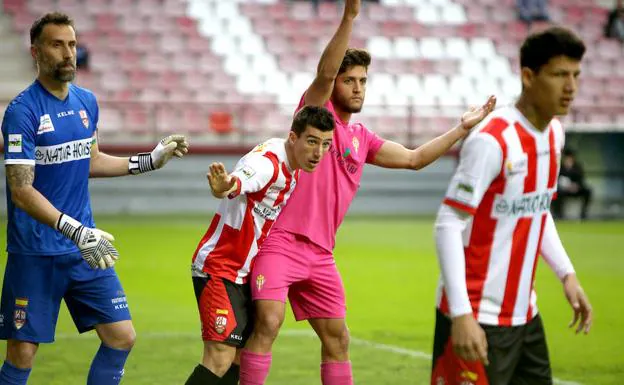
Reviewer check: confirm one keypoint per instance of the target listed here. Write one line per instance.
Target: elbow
(326, 75)
(19, 197)
(415, 161)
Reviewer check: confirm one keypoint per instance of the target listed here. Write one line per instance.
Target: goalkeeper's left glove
(172, 145)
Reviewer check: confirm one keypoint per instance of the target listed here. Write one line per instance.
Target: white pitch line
(292, 333)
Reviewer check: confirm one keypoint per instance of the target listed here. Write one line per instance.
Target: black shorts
(225, 310)
(518, 355)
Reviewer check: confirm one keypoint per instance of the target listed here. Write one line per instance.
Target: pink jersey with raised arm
(319, 204)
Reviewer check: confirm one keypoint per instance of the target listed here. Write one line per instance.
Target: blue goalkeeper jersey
(56, 137)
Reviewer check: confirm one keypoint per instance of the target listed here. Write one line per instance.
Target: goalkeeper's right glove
(94, 244)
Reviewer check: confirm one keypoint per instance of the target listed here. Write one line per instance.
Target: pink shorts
(289, 265)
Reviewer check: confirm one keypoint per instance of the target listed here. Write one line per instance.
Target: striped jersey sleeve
(480, 162)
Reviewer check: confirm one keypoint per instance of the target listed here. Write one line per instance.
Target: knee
(21, 354)
(218, 358)
(122, 340)
(268, 325)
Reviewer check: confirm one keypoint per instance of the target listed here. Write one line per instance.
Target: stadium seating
(239, 66)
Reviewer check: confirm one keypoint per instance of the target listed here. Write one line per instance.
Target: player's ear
(527, 75)
(292, 137)
(33, 51)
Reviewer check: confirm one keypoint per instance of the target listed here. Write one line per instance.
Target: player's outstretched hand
(95, 245)
(172, 145)
(219, 180)
(577, 298)
(468, 339)
(352, 8)
(475, 115)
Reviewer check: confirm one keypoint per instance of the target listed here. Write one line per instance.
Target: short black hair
(540, 47)
(57, 18)
(355, 57)
(567, 151)
(317, 117)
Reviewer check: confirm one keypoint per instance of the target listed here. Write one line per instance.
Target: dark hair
(317, 117)
(567, 151)
(540, 47)
(355, 57)
(49, 18)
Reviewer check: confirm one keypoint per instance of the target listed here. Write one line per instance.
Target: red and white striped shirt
(242, 222)
(506, 179)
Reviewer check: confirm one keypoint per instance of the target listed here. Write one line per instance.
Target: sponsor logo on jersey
(268, 213)
(236, 337)
(525, 205)
(84, 117)
(356, 144)
(514, 167)
(64, 152)
(220, 324)
(15, 142)
(45, 124)
(259, 148)
(19, 318)
(349, 164)
(120, 303)
(65, 113)
(248, 172)
(223, 311)
(260, 282)
(464, 189)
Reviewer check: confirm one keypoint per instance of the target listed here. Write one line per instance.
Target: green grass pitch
(390, 273)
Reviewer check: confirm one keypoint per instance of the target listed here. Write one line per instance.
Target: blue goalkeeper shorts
(34, 286)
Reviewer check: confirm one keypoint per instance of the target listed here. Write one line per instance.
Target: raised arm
(394, 155)
(252, 174)
(221, 184)
(320, 90)
(104, 165)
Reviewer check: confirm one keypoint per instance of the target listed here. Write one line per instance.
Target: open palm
(475, 115)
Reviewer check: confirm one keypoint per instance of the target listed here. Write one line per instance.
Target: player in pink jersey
(495, 221)
(257, 189)
(296, 259)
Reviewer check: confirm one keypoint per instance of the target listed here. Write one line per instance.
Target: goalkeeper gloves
(172, 145)
(94, 245)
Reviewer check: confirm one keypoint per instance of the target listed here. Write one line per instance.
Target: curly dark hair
(355, 57)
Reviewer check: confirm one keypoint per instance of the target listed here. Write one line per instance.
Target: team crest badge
(19, 315)
(356, 144)
(19, 318)
(85, 118)
(260, 281)
(220, 323)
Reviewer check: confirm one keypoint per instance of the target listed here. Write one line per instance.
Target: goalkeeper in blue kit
(54, 249)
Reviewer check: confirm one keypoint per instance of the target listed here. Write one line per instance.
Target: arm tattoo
(19, 175)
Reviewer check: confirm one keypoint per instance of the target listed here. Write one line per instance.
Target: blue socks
(107, 367)
(10, 375)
